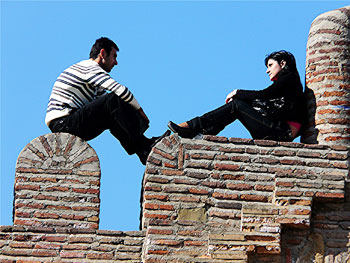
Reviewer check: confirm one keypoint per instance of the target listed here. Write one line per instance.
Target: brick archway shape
(57, 183)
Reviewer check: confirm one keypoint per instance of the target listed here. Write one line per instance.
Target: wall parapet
(42, 244)
(212, 200)
(57, 183)
(224, 198)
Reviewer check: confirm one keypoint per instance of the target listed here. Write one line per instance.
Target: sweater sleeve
(102, 80)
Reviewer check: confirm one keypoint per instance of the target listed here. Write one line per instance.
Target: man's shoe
(183, 132)
(143, 155)
(155, 140)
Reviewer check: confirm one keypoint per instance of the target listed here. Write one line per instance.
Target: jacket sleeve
(283, 86)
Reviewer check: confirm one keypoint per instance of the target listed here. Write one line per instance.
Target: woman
(275, 113)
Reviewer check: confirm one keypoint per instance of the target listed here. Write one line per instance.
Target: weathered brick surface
(57, 183)
(33, 244)
(328, 79)
(228, 198)
(220, 200)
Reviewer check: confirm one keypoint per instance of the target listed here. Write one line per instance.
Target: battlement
(212, 200)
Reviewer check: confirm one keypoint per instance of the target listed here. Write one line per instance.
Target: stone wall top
(57, 183)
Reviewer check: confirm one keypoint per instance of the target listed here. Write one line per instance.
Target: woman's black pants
(259, 127)
(106, 112)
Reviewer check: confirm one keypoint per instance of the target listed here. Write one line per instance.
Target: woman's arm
(283, 86)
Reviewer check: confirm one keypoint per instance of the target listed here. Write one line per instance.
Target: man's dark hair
(102, 43)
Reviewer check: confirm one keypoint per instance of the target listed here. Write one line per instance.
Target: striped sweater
(80, 84)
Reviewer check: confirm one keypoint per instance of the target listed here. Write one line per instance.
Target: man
(85, 101)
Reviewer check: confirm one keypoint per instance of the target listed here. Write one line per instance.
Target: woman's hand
(230, 96)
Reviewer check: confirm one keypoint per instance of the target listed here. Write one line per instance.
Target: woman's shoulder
(288, 75)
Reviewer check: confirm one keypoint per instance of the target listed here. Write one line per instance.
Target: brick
(27, 187)
(21, 245)
(288, 193)
(198, 191)
(171, 172)
(224, 215)
(103, 255)
(56, 188)
(197, 175)
(75, 247)
(152, 188)
(213, 184)
(158, 216)
(46, 215)
(238, 186)
(156, 197)
(189, 232)
(201, 164)
(194, 243)
(202, 156)
(42, 245)
(226, 167)
(78, 239)
(215, 138)
(158, 252)
(72, 254)
(329, 195)
(258, 198)
(54, 238)
(160, 231)
(267, 188)
(184, 181)
(45, 197)
(158, 207)
(163, 242)
(225, 196)
(154, 161)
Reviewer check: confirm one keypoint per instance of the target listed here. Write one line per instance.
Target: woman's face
(273, 68)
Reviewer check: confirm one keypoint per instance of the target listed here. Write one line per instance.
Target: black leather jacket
(288, 87)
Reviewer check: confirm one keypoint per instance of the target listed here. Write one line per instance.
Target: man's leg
(106, 112)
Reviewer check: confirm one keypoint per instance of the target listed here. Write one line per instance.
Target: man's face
(110, 61)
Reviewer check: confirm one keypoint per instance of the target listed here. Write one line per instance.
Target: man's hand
(230, 96)
(143, 115)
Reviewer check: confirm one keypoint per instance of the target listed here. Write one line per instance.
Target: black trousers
(107, 112)
(259, 127)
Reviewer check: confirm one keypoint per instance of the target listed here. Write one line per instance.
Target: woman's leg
(259, 126)
(214, 121)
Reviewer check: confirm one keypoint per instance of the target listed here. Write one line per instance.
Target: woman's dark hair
(288, 57)
(102, 43)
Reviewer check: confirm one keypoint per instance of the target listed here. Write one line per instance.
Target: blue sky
(179, 58)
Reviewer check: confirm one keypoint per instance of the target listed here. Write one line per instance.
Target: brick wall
(57, 205)
(212, 200)
(23, 244)
(328, 78)
(220, 199)
(57, 183)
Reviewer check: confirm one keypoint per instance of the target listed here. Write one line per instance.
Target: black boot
(183, 132)
(147, 145)
(155, 140)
